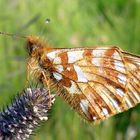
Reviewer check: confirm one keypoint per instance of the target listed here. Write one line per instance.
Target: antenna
(46, 22)
(12, 35)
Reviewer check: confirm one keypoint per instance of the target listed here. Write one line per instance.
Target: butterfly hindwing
(97, 77)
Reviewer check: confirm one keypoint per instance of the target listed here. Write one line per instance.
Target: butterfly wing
(133, 69)
(95, 81)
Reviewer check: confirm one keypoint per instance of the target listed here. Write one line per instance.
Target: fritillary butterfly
(97, 82)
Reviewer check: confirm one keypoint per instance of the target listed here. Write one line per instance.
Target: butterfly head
(33, 44)
(35, 48)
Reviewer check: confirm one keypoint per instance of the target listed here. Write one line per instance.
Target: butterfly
(97, 82)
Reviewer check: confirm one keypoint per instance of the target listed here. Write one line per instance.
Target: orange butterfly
(97, 82)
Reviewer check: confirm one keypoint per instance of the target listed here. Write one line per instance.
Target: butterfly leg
(46, 82)
(28, 75)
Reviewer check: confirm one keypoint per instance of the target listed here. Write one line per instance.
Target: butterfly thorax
(37, 63)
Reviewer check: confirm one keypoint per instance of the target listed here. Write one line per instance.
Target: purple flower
(28, 110)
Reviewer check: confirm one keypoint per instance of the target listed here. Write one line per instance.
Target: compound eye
(32, 44)
(31, 47)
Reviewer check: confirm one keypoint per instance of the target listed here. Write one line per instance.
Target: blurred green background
(74, 23)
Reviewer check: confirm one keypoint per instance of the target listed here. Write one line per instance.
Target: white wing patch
(115, 105)
(73, 88)
(57, 76)
(52, 55)
(105, 111)
(96, 61)
(122, 79)
(119, 66)
(98, 52)
(59, 68)
(57, 60)
(84, 106)
(116, 55)
(74, 56)
(81, 76)
(120, 92)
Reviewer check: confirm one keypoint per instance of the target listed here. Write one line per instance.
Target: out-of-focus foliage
(73, 23)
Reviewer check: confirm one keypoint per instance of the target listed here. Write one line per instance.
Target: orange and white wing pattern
(98, 82)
